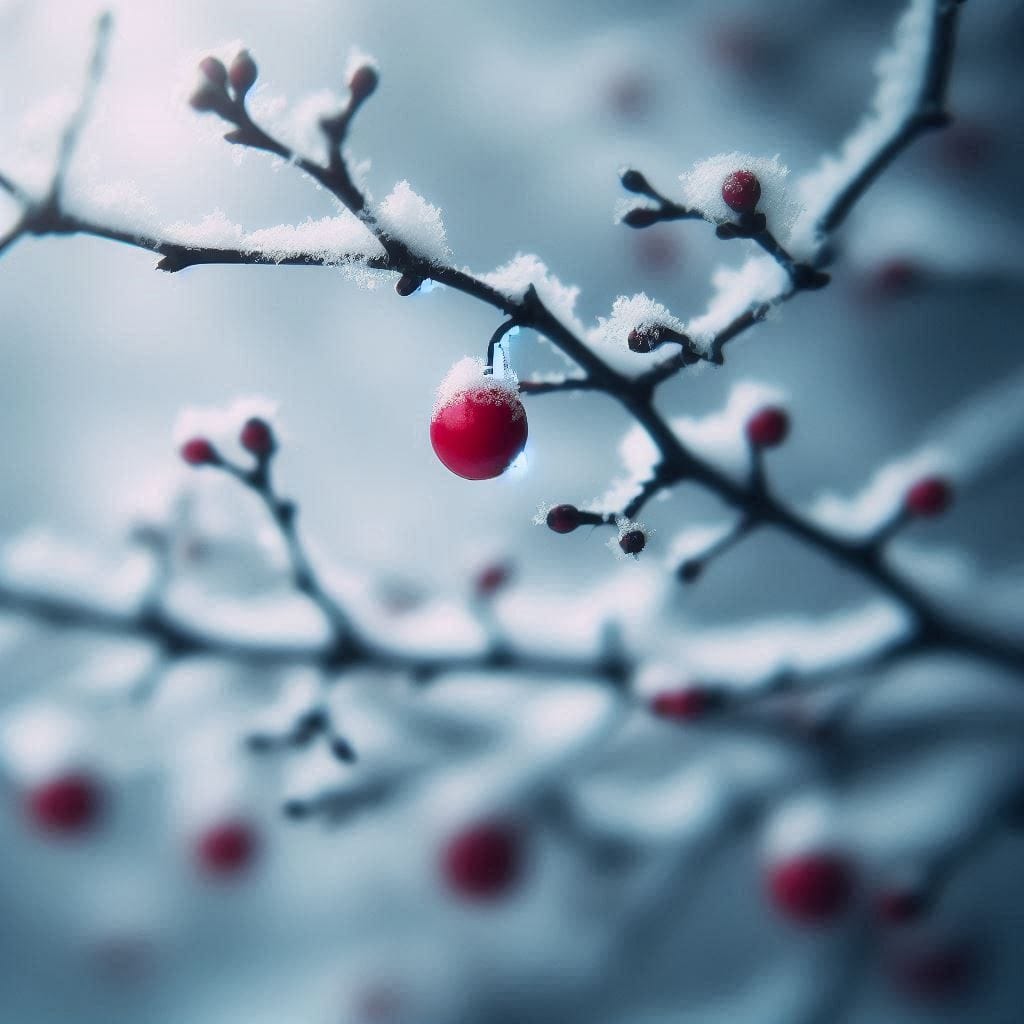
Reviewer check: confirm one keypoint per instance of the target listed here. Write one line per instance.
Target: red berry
(633, 542)
(928, 497)
(484, 861)
(363, 82)
(66, 805)
(199, 452)
(684, 704)
(227, 849)
(492, 578)
(257, 437)
(477, 433)
(768, 427)
(242, 73)
(901, 906)
(563, 518)
(893, 277)
(936, 973)
(741, 191)
(812, 888)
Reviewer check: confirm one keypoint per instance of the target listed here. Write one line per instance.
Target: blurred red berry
(741, 191)
(484, 861)
(257, 437)
(630, 95)
(928, 497)
(812, 888)
(492, 578)
(227, 849)
(656, 251)
(684, 704)
(768, 427)
(478, 433)
(66, 805)
(199, 452)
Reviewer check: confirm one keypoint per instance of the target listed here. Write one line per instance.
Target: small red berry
(563, 518)
(257, 437)
(484, 861)
(362, 82)
(928, 497)
(66, 805)
(812, 888)
(478, 432)
(242, 73)
(768, 427)
(199, 452)
(901, 906)
(632, 542)
(684, 704)
(227, 849)
(893, 277)
(741, 191)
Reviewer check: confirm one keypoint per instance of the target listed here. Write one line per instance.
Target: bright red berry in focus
(483, 862)
(66, 805)
(813, 888)
(227, 849)
(929, 497)
(257, 437)
(199, 452)
(477, 433)
(684, 704)
(741, 191)
(563, 518)
(768, 427)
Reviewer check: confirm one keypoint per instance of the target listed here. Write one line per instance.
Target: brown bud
(242, 73)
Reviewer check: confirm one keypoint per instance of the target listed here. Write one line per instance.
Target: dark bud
(564, 518)
(808, 278)
(641, 217)
(690, 570)
(726, 231)
(362, 83)
(633, 181)
(645, 338)
(198, 451)
(214, 72)
(633, 542)
(296, 809)
(407, 284)
(343, 750)
(242, 73)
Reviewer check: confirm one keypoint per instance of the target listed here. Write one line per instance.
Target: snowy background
(514, 119)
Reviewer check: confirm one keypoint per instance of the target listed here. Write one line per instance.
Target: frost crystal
(524, 270)
(410, 219)
(628, 313)
(702, 190)
(330, 240)
(759, 280)
(467, 375)
(900, 72)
